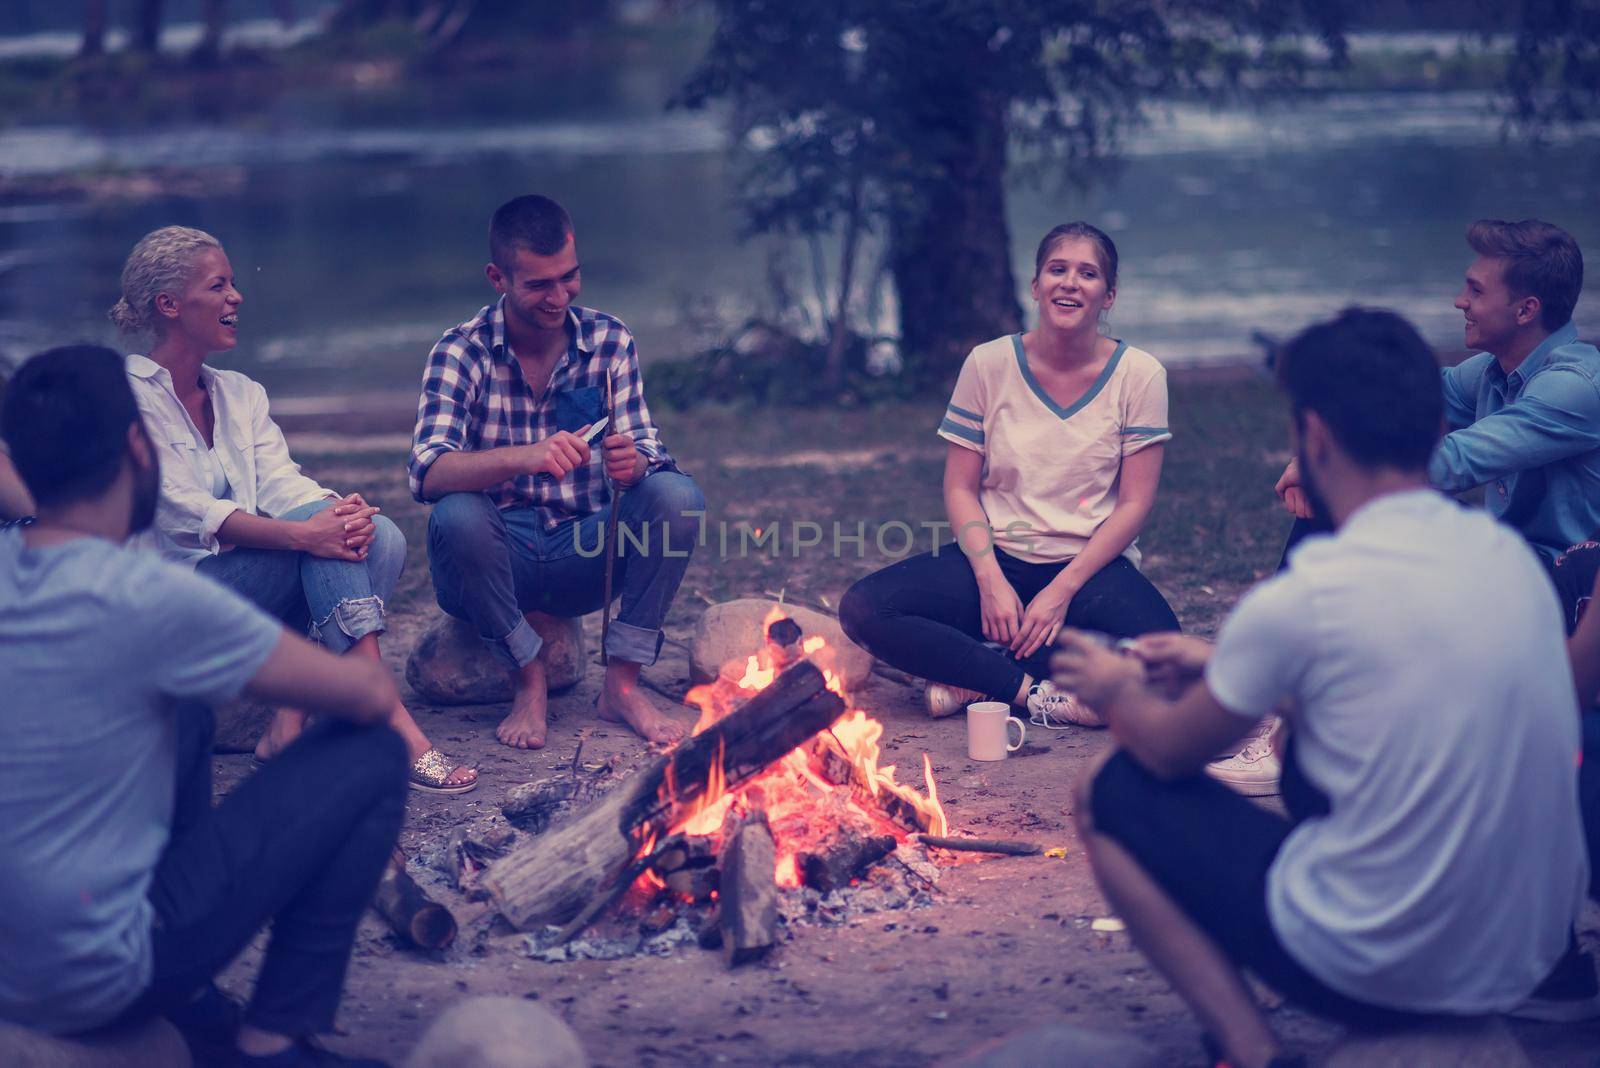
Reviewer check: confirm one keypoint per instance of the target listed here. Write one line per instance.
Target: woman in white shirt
(233, 504)
(1055, 447)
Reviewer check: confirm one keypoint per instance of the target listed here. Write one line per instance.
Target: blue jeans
(336, 602)
(490, 565)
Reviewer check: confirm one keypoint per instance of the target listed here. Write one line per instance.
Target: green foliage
(1554, 75)
(851, 116)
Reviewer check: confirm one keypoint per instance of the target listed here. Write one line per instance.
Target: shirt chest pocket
(577, 408)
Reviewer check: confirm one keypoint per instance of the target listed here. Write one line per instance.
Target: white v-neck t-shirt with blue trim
(1051, 474)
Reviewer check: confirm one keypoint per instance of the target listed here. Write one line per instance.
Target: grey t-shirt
(96, 641)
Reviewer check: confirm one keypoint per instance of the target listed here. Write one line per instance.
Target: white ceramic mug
(988, 728)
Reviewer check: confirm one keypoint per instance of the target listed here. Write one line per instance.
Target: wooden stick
(610, 542)
(982, 845)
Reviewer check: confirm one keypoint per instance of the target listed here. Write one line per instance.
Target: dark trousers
(300, 845)
(922, 615)
(1210, 850)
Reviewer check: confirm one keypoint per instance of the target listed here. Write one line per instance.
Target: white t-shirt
(1423, 649)
(1051, 474)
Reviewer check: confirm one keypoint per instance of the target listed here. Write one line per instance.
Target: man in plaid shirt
(519, 500)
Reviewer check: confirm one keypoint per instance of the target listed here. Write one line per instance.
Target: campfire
(778, 786)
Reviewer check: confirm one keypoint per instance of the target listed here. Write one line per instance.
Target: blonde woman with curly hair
(234, 505)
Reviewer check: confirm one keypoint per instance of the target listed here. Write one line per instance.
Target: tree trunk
(94, 29)
(950, 247)
(147, 26)
(839, 330)
(208, 51)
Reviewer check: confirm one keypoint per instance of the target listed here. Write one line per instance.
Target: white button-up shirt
(248, 444)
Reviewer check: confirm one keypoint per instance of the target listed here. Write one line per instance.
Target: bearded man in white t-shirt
(1433, 860)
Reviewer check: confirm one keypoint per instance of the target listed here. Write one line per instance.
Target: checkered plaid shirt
(474, 397)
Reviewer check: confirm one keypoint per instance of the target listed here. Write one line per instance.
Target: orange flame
(794, 795)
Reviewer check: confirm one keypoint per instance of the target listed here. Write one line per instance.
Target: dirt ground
(1007, 943)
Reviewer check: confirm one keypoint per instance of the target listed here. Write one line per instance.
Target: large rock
(152, 1044)
(1060, 1045)
(735, 629)
(239, 724)
(451, 665)
(499, 1032)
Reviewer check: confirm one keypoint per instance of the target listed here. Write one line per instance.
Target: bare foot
(286, 725)
(622, 700)
(524, 727)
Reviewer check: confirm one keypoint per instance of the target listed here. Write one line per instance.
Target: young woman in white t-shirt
(234, 505)
(1056, 439)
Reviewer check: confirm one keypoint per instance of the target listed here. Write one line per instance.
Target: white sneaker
(943, 700)
(1253, 771)
(1055, 709)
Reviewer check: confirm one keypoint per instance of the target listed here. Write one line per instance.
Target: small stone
(498, 1032)
(451, 665)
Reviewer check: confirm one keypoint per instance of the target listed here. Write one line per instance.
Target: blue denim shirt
(1531, 438)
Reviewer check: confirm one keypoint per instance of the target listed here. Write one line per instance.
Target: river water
(357, 228)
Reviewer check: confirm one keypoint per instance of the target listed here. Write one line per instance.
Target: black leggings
(922, 616)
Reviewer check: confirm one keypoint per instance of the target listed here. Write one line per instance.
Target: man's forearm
(473, 472)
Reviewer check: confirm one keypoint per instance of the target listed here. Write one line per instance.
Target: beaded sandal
(430, 771)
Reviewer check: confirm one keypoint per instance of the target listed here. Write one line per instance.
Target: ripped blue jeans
(334, 602)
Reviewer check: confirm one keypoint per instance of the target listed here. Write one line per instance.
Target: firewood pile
(774, 812)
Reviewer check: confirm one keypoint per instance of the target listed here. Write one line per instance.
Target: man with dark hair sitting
(1433, 860)
(125, 891)
(520, 501)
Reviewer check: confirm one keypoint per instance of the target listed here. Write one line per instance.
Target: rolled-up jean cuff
(353, 619)
(520, 647)
(636, 645)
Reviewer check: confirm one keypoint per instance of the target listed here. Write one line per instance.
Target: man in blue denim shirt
(1525, 411)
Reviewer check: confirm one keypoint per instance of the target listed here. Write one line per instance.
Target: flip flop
(430, 770)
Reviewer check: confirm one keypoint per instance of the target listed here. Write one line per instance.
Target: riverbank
(1008, 943)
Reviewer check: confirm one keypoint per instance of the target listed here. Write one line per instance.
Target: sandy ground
(1006, 946)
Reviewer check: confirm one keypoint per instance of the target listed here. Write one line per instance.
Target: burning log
(412, 914)
(587, 858)
(849, 854)
(892, 800)
(748, 891)
(687, 865)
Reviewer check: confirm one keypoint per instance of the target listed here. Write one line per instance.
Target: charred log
(412, 914)
(846, 856)
(748, 891)
(582, 859)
